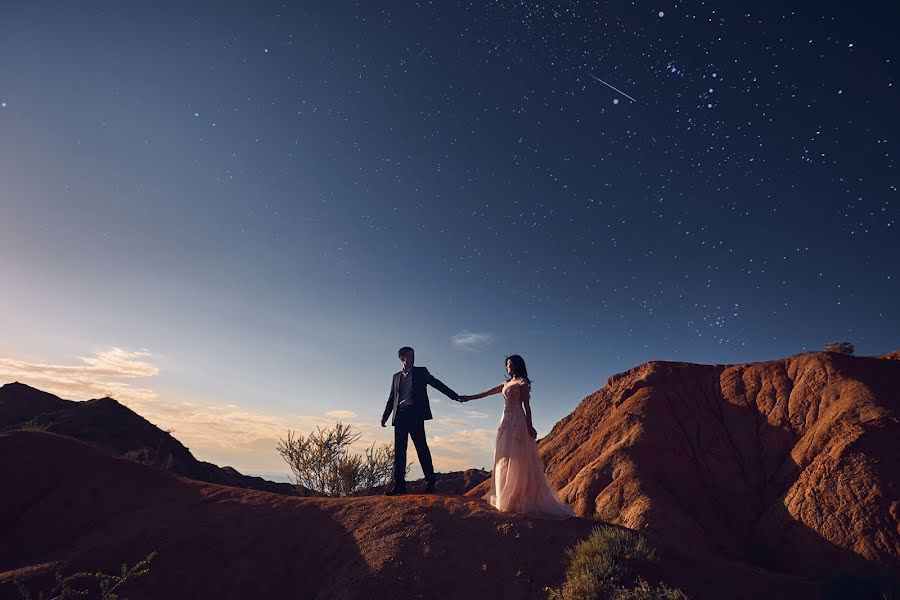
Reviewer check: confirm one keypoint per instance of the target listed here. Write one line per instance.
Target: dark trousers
(409, 424)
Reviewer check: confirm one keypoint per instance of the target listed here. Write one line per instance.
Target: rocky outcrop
(792, 464)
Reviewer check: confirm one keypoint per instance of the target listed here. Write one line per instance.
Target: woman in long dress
(518, 482)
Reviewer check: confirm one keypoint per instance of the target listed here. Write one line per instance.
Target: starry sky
(231, 215)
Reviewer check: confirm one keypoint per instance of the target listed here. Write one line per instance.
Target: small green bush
(72, 586)
(598, 569)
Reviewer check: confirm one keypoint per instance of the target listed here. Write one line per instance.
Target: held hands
(463, 398)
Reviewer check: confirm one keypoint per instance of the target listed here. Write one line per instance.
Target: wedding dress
(518, 482)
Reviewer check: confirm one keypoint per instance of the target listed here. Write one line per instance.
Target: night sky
(231, 215)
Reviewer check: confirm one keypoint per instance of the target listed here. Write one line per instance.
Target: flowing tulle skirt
(518, 482)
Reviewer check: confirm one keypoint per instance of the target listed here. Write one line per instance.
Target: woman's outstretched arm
(490, 392)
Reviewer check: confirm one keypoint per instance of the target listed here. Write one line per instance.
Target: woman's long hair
(518, 367)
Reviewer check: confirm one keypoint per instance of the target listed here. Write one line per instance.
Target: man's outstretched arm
(438, 385)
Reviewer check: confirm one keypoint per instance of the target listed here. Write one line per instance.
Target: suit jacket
(421, 378)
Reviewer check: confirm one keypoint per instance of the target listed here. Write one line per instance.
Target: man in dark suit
(408, 401)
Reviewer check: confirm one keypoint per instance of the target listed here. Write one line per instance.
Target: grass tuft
(599, 569)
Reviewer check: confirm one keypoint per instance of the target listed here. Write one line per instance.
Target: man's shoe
(429, 487)
(395, 492)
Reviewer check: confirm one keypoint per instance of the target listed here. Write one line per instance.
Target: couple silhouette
(518, 482)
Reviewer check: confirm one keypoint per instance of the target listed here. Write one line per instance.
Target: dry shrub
(839, 347)
(323, 464)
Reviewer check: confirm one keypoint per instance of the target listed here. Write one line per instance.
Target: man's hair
(404, 351)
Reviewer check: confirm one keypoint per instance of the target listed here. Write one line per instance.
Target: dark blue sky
(270, 199)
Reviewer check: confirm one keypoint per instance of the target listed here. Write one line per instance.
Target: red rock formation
(790, 463)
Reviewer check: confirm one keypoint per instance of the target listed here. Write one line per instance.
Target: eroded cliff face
(792, 463)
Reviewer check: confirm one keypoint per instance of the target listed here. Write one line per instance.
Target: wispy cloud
(96, 376)
(472, 341)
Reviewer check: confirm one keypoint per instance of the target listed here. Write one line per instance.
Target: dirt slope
(67, 505)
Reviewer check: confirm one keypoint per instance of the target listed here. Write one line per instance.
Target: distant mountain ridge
(119, 431)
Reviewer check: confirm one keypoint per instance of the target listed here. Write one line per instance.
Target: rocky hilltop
(67, 506)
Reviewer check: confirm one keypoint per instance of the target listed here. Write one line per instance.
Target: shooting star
(609, 86)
